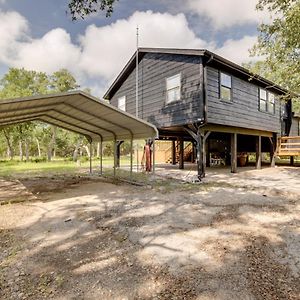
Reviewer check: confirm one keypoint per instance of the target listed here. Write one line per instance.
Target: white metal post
(153, 156)
(101, 159)
(91, 158)
(137, 157)
(131, 156)
(115, 156)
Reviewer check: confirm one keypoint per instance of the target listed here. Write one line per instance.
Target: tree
(21, 83)
(62, 81)
(279, 43)
(83, 8)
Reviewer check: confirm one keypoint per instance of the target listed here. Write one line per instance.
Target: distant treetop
(83, 8)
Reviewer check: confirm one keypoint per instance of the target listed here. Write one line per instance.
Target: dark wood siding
(153, 70)
(295, 127)
(243, 110)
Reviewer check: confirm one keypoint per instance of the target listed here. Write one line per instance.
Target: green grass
(57, 166)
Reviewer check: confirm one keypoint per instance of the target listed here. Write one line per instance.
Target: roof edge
(197, 52)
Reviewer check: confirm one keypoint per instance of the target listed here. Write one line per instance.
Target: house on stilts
(196, 96)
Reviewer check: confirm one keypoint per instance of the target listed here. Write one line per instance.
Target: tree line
(37, 140)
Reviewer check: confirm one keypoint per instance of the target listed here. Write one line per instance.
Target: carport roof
(78, 112)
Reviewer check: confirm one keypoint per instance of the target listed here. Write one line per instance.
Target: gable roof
(212, 58)
(78, 112)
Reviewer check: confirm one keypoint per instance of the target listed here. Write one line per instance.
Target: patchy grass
(58, 166)
(15, 168)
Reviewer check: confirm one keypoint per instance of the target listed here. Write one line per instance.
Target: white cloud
(49, 53)
(237, 50)
(106, 49)
(101, 52)
(13, 28)
(227, 13)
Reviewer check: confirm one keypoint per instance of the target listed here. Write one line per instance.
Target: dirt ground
(231, 237)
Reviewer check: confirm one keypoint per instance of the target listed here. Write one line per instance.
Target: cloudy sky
(40, 35)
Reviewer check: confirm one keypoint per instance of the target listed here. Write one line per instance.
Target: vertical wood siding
(153, 70)
(243, 110)
(295, 127)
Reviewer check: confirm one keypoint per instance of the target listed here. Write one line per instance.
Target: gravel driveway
(97, 240)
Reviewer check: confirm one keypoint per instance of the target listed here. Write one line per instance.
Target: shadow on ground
(105, 241)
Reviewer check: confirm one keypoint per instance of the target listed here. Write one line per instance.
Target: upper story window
(266, 101)
(271, 103)
(225, 87)
(122, 103)
(173, 85)
(262, 100)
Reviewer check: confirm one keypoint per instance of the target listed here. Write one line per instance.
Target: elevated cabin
(198, 96)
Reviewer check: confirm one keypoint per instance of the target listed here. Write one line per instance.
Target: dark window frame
(177, 87)
(267, 101)
(226, 87)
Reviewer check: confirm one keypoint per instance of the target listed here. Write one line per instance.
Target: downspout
(204, 87)
(200, 138)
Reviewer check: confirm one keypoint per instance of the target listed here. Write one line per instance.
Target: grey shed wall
(154, 68)
(243, 110)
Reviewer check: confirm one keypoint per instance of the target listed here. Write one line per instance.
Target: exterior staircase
(289, 146)
(187, 156)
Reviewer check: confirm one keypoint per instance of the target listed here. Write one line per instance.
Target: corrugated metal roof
(78, 112)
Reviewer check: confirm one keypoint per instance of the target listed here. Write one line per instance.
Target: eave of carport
(79, 112)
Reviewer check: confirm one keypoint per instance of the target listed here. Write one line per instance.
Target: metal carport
(81, 113)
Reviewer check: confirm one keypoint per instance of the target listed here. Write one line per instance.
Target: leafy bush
(38, 159)
(84, 159)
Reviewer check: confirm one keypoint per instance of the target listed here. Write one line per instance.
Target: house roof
(212, 58)
(78, 112)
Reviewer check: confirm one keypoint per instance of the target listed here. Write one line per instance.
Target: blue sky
(40, 35)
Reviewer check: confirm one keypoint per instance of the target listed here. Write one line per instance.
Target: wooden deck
(289, 146)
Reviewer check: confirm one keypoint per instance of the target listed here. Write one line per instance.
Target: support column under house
(173, 153)
(181, 154)
(233, 153)
(258, 152)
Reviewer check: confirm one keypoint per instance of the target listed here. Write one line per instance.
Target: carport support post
(131, 156)
(119, 143)
(258, 152)
(153, 157)
(115, 156)
(233, 152)
(91, 170)
(101, 160)
(137, 156)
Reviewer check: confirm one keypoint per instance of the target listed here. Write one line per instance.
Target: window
(225, 87)
(122, 103)
(262, 100)
(173, 88)
(271, 103)
(266, 101)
